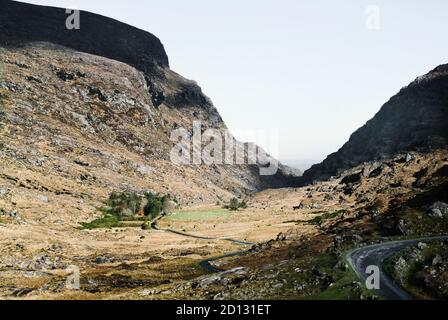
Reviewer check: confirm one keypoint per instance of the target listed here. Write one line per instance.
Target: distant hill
(301, 165)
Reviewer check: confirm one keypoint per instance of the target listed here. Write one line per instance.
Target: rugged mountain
(84, 112)
(414, 119)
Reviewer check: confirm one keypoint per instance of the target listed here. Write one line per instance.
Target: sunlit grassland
(199, 215)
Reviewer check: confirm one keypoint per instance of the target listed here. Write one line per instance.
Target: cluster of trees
(157, 204)
(125, 204)
(129, 204)
(235, 205)
(151, 205)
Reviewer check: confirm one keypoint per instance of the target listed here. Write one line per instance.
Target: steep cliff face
(22, 23)
(415, 119)
(82, 114)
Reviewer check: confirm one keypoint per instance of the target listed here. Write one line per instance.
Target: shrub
(108, 221)
(124, 206)
(235, 205)
(124, 203)
(154, 205)
(158, 204)
(147, 225)
(325, 217)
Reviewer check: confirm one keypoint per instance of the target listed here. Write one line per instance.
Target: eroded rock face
(415, 119)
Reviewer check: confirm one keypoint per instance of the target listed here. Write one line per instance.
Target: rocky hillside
(89, 111)
(414, 119)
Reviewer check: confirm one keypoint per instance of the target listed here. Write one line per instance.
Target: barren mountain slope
(96, 114)
(414, 119)
(76, 126)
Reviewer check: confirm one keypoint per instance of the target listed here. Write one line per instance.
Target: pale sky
(309, 68)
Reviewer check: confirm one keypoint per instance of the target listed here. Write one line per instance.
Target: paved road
(206, 264)
(360, 259)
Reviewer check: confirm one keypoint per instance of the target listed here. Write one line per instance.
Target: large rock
(439, 209)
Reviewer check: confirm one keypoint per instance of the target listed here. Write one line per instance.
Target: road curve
(374, 255)
(206, 264)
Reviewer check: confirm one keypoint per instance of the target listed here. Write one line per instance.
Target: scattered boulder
(42, 198)
(438, 209)
(236, 271)
(437, 260)
(11, 86)
(352, 178)
(64, 75)
(103, 260)
(37, 162)
(19, 64)
(404, 228)
(14, 214)
(3, 192)
(147, 292)
(440, 205)
(144, 169)
(34, 79)
(436, 213)
(261, 246)
(298, 270)
(422, 245)
(404, 159)
(214, 279)
(81, 163)
(96, 92)
(282, 237)
(278, 286)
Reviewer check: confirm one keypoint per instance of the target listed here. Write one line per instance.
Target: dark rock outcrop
(21, 23)
(415, 119)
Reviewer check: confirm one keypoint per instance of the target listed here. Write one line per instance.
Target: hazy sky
(311, 69)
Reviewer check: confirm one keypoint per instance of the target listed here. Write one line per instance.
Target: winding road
(206, 264)
(375, 255)
(358, 259)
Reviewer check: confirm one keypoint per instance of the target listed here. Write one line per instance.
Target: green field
(198, 215)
